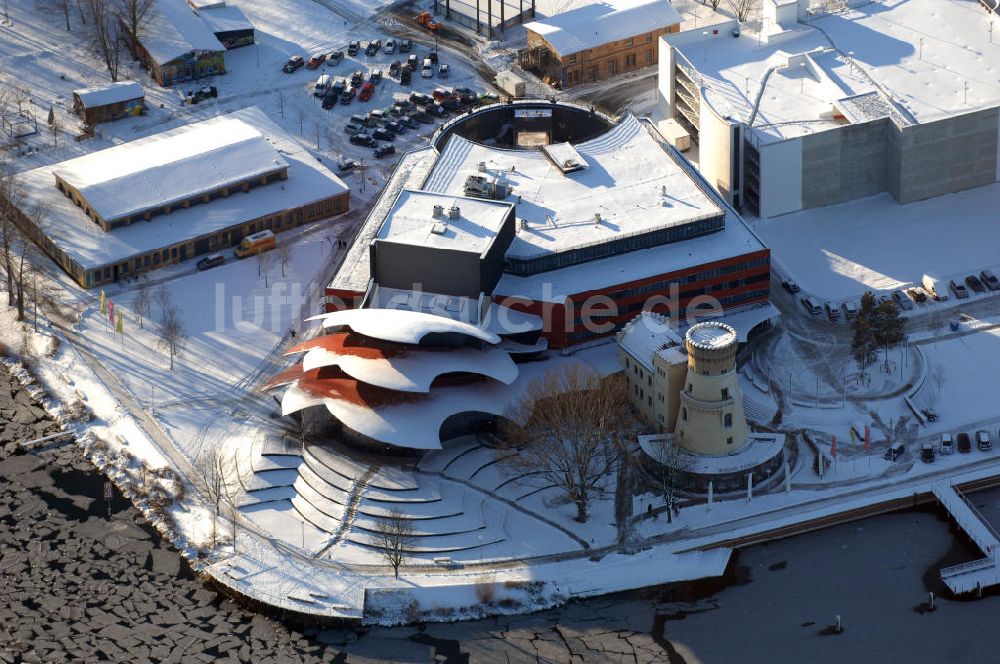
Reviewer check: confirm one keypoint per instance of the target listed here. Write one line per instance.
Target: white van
(428, 69)
(322, 85)
(811, 305)
(935, 287)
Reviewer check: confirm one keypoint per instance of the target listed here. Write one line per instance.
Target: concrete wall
(844, 163)
(780, 177)
(949, 155)
(715, 149)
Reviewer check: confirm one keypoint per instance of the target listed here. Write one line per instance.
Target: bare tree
(9, 195)
(741, 8)
(172, 336)
(393, 535)
(143, 300)
(319, 131)
(264, 263)
(284, 256)
(281, 102)
(105, 34)
(939, 375)
(568, 427)
(161, 294)
(301, 114)
(668, 470)
(215, 469)
(133, 16)
(57, 7)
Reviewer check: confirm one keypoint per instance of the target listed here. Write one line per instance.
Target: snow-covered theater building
(556, 216)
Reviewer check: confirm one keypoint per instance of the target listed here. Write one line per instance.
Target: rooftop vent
(524, 224)
(597, 218)
(482, 167)
(438, 211)
(455, 212)
(439, 228)
(476, 186)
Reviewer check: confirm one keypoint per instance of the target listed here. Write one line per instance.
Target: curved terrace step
(432, 545)
(388, 477)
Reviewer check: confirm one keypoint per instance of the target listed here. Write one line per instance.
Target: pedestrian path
(977, 574)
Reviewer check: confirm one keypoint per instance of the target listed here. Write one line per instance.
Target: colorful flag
(104, 303)
(833, 446)
(111, 311)
(118, 325)
(851, 431)
(868, 438)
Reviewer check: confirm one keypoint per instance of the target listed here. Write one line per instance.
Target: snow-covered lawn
(970, 387)
(840, 251)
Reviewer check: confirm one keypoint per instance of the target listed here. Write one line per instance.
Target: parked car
(832, 310)
(345, 166)
(441, 93)
(427, 71)
(927, 453)
(963, 443)
(363, 139)
(790, 286)
(322, 85)
(917, 294)
(373, 47)
(394, 68)
(330, 99)
(435, 109)
(353, 47)
(353, 128)
(378, 116)
(947, 445)
(973, 282)
(850, 310)
(384, 151)
(983, 442)
(201, 94)
(359, 119)
(405, 76)
(467, 94)
(390, 46)
(901, 299)
(412, 62)
(348, 94)
(959, 289)
(811, 305)
(404, 104)
(432, 56)
(375, 76)
(990, 279)
(358, 77)
(451, 104)
(334, 58)
(405, 45)
(383, 135)
(444, 71)
(315, 60)
(421, 117)
(408, 122)
(894, 452)
(884, 299)
(366, 91)
(294, 63)
(208, 262)
(420, 99)
(394, 127)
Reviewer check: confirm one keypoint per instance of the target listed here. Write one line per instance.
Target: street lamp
(704, 34)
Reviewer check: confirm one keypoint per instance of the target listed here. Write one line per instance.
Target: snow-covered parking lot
(838, 252)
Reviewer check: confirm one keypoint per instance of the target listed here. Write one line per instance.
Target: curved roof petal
(400, 325)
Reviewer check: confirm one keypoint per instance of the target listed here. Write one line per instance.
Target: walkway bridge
(976, 574)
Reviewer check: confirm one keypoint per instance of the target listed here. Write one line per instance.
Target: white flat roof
(650, 333)
(734, 239)
(412, 221)
(602, 22)
(173, 29)
(921, 60)
(112, 93)
(167, 168)
(84, 241)
(630, 182)
(225, 18)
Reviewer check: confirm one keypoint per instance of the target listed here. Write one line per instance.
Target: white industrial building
(821, 103)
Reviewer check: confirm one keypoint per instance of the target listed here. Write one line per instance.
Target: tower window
(728, 420)
(729, 440)
(725, 393)
(684, 414)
